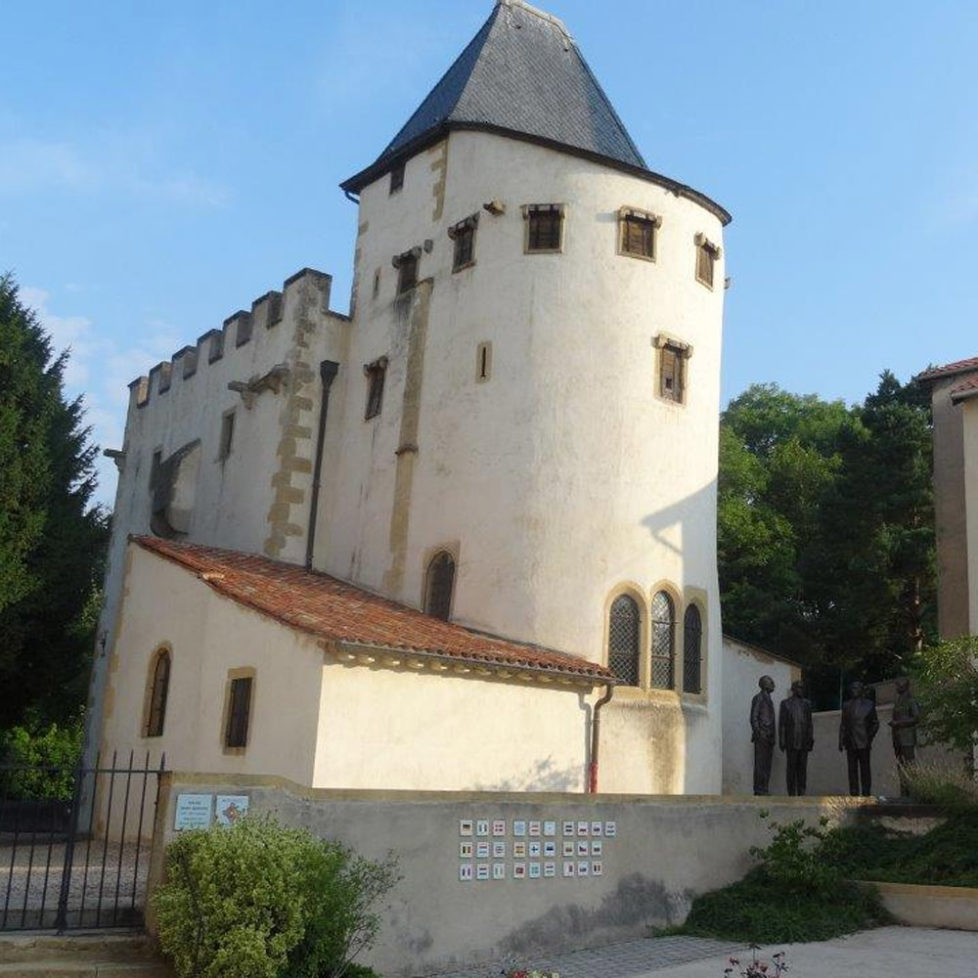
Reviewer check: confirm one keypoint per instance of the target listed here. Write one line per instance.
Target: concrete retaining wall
(654, 854)
(952, 907)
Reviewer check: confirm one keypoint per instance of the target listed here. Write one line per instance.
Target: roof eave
(358, 181)
(966, 395)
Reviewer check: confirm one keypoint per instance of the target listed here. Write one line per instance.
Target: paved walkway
(889, 952)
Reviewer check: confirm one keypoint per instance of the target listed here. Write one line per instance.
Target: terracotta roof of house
(948, 370)
(966, 390)
(338, 612)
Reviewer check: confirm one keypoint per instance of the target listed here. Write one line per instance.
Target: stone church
(464, 537)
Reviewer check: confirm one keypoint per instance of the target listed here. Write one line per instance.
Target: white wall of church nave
(564, 474)
(969, 410)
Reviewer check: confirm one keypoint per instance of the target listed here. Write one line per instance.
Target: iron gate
(76, 859)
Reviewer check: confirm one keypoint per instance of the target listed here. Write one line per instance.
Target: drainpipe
(327, 373)
(592, 783)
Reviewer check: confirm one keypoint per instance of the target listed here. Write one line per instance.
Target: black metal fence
(65, 868)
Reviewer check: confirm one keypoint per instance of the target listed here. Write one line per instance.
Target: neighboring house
(416, 547)
(954, 400)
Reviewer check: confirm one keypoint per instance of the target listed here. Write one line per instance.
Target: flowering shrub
(756, 968)
(523, 973)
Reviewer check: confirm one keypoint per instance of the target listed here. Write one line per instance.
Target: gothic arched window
(663, 640)
(692, 650)
(624, 627)
(439, 585)
(159, 687)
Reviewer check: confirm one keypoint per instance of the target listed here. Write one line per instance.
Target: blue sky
(161, 165)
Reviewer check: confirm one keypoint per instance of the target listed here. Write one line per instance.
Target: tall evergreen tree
(52, 539)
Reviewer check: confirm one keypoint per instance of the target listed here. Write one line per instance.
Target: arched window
(624, 625)
(158, 693)
(663, 640)
(439, 585)
(692, 650)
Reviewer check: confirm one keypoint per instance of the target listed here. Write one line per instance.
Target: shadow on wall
(544, 775)
(690, 509)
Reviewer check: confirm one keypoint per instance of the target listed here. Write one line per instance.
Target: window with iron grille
(692, 650)
(158, 693)
(707, 254)
(637, 233)
(239, 712)
(463, 234)
(375, 373)
(397, 178)
(663, 640)
(440, 583)
(544, 227)
(624, 629)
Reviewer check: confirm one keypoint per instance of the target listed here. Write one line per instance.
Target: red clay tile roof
(333, 610)
(949, 369)
(963, 391)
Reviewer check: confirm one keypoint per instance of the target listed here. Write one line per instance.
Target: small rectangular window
(673, 355)
(407, 270)
(544, 227)
(463, 234)
(707, 254)
(397, 178)
(637, 233)
(227, 435)
(239, 711)
(375, 373)
(376, 282)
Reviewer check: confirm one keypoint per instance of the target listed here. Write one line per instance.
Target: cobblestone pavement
(627, 960)
(30, 883)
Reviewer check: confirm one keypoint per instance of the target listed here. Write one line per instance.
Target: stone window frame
(450, 551)
(376, 374)
(630, 590)
(670, 349)
(408, 265)
(162, 653)
(694, 602)
(242, 672)
(529, 213)
(226, 442)
(668, 589)
(463, 236)
(707, 255)
(647, 217)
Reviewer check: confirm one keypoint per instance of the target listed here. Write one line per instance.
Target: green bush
(257, 900)
(946, 681)
(53, 752)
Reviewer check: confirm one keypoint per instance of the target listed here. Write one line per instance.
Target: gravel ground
(31, 878)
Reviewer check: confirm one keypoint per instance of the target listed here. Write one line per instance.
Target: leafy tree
(946, 684)
(825, 535)
(51, 538)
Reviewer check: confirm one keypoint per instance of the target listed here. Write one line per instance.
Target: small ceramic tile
(465, 872)
(482, 850)
(583, 828)
(465, 850)
(549, 828)
(519, 850)
(582, 868)
(533, 871)
(596, 846)
(568, 869)
(610, 829)
(549, 870)
(499, 850)
(499, 871)
(465, 826)
(534, 849)
(533, 828)
(597, 869)
(482, 826)
(550, 848)
(519, 871)
(499, 826)
(519, 827)
(482, 871)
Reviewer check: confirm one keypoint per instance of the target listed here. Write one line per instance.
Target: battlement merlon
(306, 293)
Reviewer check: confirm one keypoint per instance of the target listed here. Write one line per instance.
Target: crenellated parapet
(243, 336)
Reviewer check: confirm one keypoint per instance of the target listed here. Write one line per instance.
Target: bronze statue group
(858, 725)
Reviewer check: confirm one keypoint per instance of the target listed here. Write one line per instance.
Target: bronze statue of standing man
(906, 716)
(796, 737)
(762, 734)
(857, 728)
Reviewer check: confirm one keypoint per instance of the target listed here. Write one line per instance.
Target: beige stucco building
(954, 402)
(417, 546)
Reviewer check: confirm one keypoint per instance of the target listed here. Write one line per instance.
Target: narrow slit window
(239, 712)
(159, 689)
(463, 235)
(376, 283)
(397, 178)
(483, 361)
(227, 435)
(375, 373)
(544, 227)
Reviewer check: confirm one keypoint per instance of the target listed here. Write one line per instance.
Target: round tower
(531, 449)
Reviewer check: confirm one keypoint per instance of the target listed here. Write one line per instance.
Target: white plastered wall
(564, 475)
(969, 411)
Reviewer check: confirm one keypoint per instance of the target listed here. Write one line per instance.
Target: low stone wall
(637, 861)
(950, 907)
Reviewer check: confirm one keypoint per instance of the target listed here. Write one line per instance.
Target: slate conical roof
(523, 74)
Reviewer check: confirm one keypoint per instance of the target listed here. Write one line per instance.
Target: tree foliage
(825, 527)
(51, 538)
(946, 684)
